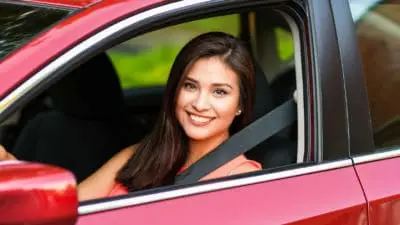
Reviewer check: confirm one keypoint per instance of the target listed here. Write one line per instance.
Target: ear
(238, 112)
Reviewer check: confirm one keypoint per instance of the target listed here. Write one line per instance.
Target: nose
(201, 102)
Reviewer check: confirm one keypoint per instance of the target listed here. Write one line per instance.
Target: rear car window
(378, 31)
(19, 23)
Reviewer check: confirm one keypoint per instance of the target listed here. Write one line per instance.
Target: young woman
(209, 95)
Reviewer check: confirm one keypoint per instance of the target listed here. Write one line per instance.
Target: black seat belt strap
(244, 140)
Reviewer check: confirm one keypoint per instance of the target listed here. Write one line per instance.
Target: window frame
(329, 103)
(360, 131)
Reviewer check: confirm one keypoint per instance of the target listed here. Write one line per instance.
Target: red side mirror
(32, 193)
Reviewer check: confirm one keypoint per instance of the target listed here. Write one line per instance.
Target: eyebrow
(214, 84)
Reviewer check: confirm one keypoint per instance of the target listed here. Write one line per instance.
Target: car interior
(87, 116)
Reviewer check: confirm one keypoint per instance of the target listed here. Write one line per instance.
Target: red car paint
(337, 196)
(254, 204)
(61, 37)
(380, 180)
(34, 193)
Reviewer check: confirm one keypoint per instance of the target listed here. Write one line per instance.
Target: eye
(220, 92)
(189, 86)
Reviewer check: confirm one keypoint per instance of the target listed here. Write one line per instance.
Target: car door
(323, 189)
(376, 143)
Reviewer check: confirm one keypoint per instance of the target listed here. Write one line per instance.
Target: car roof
(66, 3)
(80, 3)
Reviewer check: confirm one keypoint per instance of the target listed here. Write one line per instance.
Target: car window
(378, 32)
(89, 122)
(20, 23)
(143, 64)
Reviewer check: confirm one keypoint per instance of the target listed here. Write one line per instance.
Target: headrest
(264, 100)
(91, 91)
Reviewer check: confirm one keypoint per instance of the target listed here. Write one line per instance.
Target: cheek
(179, 105)
(227, 108)
(183, 100)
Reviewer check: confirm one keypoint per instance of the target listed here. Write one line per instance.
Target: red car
(82, 79)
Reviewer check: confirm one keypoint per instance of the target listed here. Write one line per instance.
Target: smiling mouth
(199, 120)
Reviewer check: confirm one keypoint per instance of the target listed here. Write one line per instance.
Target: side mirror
(32, 193)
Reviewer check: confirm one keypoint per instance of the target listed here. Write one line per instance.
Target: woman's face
(208, 100)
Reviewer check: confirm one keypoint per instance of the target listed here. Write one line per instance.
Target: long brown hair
(161, 154)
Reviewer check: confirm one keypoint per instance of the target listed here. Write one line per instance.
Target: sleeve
(117, 190)
(245, 167)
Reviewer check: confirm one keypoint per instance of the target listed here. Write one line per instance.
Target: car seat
(275, 151)
(85, 126)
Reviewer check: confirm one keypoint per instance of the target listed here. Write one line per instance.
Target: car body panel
(329, 197)
(296, 200)
(381, 184)
(62, 36)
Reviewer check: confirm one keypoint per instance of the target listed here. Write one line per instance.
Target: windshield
(19, 23)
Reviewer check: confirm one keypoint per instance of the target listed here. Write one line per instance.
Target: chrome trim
(203, 188)
(10, 162)
(377, 156)
(86, 44)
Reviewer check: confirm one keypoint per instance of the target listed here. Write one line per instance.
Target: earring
(238, 112)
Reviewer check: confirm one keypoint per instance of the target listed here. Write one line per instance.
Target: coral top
(225, 170)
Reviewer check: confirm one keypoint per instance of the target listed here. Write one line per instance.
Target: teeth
(199, 118)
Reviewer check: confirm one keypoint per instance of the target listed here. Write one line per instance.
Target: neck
(199, 148)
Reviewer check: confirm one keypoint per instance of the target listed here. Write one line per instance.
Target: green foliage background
(147, 59)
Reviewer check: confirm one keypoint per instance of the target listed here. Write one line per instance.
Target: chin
(198, 136)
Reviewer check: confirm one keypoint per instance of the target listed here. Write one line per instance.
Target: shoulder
(244, 165)
(236, 166)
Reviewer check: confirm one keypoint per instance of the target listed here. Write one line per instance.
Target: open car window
(139, 68)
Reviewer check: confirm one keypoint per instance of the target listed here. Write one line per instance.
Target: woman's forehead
(212, 70)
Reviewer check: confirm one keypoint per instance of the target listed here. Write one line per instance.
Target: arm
(100, 183)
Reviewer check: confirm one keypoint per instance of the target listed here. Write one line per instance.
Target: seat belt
(244, 140)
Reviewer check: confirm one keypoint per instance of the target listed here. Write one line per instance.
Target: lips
(198, 120)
